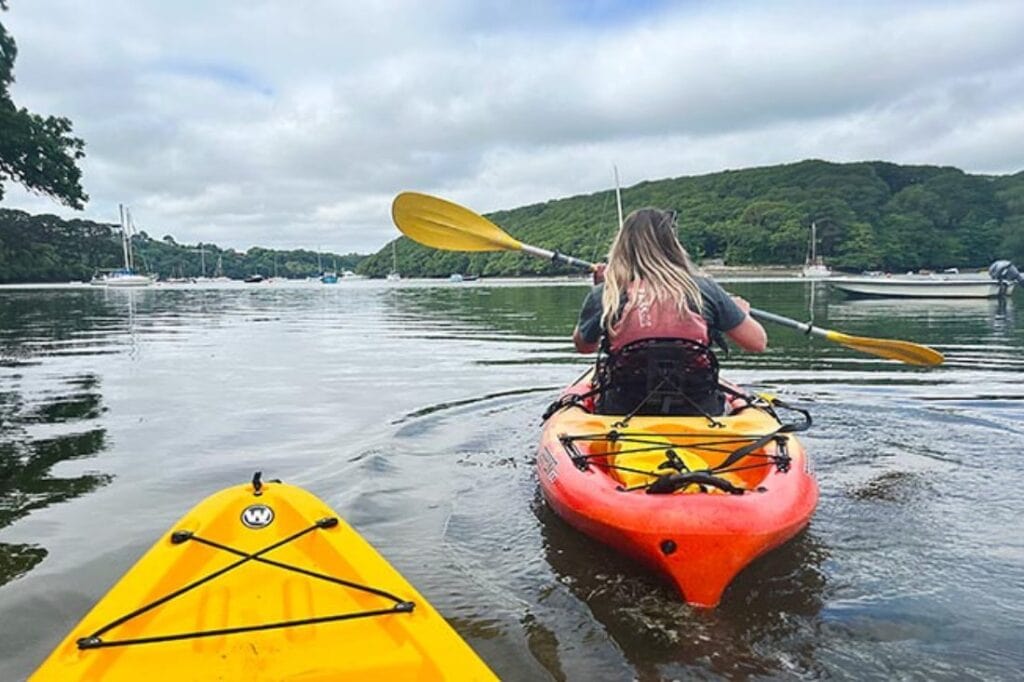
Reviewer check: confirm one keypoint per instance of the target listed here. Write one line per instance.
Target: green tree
(38, 152)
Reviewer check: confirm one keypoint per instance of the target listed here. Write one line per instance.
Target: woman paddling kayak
(651, 290)
(644, 452)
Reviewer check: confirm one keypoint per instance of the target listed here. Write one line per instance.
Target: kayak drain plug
(668, 547)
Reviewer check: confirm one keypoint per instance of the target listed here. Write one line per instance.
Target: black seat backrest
(659, 377)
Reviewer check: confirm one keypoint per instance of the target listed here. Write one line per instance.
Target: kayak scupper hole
(668, 547)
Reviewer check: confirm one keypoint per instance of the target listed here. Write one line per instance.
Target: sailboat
(393, 276)
(218, 272)
(328, 277)
(126, 276)
(814, 265)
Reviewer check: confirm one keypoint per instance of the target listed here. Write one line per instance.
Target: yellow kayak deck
(262, 582)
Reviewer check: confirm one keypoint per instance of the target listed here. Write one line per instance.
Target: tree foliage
(870, 216)
(38, 152)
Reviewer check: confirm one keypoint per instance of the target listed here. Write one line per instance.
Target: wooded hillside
(870, 216)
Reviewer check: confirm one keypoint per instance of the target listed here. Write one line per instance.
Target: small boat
(393, 276)
(121, 278)
(814, 265)
(331, 276)
(254, 278)
(998, 283)
(455, 277)
(262, 581)
(126, 276)
(696, 498)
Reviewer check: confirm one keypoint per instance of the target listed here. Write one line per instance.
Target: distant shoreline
(752, 270)
(722, 272)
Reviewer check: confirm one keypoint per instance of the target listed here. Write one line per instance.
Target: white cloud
(294, 124)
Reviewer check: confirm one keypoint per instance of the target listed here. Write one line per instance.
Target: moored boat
(126, 276)
(999, 282)
(696, 498)
(394, 275)
(814, 265)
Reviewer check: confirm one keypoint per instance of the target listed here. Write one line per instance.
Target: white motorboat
(999, 282)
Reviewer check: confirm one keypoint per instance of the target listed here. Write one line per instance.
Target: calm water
(413, 410)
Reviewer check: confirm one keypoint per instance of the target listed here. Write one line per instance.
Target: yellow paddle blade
(440, 224)
(904, 351)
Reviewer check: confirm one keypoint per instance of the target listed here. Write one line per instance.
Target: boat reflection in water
(762, 612)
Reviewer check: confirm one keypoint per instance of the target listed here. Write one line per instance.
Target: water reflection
(532, 311)
(47, 420)
(764, 611)
(28, 456)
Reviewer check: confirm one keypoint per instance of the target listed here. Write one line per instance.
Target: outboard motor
(1005, 271)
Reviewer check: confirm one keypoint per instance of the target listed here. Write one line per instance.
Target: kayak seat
(670, 377)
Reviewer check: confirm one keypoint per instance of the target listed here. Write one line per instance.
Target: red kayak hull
(699, 541)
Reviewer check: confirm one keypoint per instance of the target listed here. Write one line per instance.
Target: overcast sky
(294, 124)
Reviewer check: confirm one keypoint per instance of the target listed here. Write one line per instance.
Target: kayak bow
(262, 582)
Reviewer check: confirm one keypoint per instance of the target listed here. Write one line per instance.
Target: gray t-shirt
(719, 310)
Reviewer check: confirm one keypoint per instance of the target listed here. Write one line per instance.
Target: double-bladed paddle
(441, 224)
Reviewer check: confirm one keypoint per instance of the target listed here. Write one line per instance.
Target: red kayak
(697, 498)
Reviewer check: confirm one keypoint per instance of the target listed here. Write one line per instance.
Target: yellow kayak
(262, 582)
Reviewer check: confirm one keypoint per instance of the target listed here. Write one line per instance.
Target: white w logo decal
(257, 516)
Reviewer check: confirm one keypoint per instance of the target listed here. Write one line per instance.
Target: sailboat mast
(131, 233)
(814, 242)
(124, 237)
(618, 194)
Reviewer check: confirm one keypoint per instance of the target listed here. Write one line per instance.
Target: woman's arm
(748, 334)
(581, 345)
(586, 336)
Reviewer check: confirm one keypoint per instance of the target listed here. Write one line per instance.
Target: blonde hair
(646, 248)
